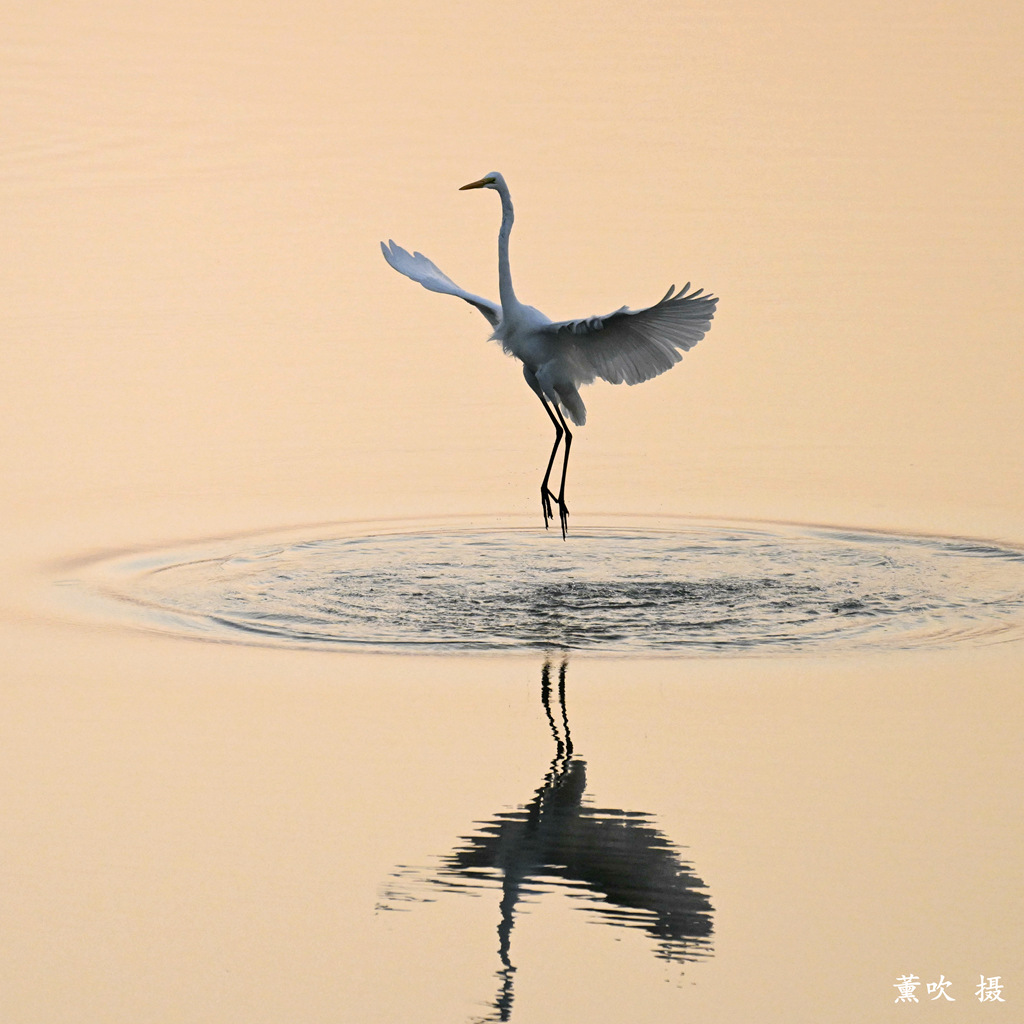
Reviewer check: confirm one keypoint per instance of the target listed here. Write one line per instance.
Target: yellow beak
(477, 184)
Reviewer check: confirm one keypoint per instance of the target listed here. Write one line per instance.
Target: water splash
(697, 589)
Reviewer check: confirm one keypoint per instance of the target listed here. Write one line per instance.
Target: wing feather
(634, 345)
(419, 268)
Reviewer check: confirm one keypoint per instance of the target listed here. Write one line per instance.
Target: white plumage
(624, 347)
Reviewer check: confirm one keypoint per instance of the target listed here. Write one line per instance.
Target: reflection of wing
(633, 345)
(643, 883)
(419, 268)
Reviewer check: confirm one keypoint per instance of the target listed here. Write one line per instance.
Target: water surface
(697, 588)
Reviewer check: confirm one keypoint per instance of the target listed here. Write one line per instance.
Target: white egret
(627, 346)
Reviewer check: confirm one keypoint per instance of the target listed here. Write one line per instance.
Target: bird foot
(546, 497)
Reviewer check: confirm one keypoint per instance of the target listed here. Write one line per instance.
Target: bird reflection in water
(615, 861)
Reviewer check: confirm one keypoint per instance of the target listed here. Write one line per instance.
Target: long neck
(505, 289)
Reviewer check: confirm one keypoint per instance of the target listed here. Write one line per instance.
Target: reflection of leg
(565, 713)
(545, 698)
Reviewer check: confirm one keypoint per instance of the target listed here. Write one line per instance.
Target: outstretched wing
(633, 345)
(419, 268)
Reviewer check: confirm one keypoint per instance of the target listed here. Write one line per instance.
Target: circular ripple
(698, 589)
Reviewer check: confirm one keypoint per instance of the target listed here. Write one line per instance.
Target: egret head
(492, 180)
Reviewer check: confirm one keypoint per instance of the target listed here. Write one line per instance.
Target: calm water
(399, 778)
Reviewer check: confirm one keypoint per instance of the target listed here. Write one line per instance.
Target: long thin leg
(545, 492)
(563, 511)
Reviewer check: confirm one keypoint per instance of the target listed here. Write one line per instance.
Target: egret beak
(483, 182)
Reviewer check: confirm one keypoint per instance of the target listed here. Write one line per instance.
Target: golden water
(202, 341)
